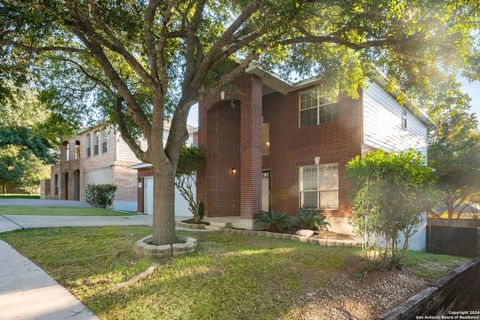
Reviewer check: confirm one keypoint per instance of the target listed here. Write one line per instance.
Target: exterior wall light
(317, 160)
(233, 171)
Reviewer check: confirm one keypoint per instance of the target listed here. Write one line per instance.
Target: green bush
(309, 218)
(390, 191)
(100, 195)
(274, 221)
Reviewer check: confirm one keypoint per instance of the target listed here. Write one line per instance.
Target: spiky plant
(310, 219)
(274, 221)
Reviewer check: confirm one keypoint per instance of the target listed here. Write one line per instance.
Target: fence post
(478, 241)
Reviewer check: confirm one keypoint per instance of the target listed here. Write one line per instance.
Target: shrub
(274, 221)
(309, 218)
(390, 192)
(100, 195)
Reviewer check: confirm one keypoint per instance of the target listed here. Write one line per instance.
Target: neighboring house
(271, 145)
(97, 155)
(145, 182)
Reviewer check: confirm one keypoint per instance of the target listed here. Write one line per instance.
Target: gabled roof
(284, 87)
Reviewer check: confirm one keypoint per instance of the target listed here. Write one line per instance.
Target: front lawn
(58, 211)
(19, 195)
(228, 277)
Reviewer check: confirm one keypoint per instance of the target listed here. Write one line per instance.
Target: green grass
(59, 211)
(227, 277)
(21, 196)
(430, 266)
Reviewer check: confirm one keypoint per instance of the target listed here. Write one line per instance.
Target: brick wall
(292, 147)
(224, 154)
(232, 139)
(126, 181)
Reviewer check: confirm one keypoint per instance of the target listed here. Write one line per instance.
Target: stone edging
(321, 242)
(182, 224)
(442, 295)
(144, 249)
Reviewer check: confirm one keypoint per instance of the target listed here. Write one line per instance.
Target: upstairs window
(66, 147)
(315, 109)
(404, 118)
(266, 138)
(89, 145)
(95, 143)
(104, 142)
(77, 149)
(319, 186)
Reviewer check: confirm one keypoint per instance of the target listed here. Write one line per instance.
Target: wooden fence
(459, 237)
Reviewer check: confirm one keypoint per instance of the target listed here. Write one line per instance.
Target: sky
(473, 90)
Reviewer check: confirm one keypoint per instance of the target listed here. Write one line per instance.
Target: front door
(148, 195)
(266, 190)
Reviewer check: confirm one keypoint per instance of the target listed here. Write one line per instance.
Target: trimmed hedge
(100, 195)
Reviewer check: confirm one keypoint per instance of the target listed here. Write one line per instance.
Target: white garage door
(148, 195)
(181, 206)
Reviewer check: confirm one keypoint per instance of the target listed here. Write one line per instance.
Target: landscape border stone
(454, 291)
(144, 249)
(187, 225)
(295, 237)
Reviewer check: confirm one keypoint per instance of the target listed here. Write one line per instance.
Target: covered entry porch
(232, 185)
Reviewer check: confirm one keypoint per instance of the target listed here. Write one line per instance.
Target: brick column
(202, 144)
(251, 149)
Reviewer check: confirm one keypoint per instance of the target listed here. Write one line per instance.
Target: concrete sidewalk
(27, 292)
(43, 203)
(26, 222)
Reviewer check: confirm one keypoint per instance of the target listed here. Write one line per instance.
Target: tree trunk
(163, 203)
(450, 211)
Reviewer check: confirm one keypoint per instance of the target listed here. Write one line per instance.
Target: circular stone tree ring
(145, 248)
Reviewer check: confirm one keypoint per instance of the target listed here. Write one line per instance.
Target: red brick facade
(230, 134)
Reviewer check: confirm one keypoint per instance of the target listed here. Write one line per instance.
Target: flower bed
(295, 237)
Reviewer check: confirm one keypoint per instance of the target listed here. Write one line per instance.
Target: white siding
(382, 123)
(124, 153)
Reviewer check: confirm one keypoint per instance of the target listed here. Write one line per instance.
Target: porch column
(251, 149)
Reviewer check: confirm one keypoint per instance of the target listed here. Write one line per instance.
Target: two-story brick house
(96, 155)
(271, 145)
(100, 155)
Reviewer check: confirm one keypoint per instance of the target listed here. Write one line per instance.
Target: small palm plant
(310, 219)
(274, 221)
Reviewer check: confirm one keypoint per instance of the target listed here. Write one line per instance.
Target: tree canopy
(142, 61)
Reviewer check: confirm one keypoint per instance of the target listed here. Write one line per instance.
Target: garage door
(181, 206)
(148, 195)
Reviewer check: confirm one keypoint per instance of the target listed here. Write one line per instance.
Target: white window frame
(318, 191)
(104, 141)
(89, 145)
(404, 118)
(96, 143)
(317, 106)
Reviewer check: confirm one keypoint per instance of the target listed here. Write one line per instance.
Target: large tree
(149, 60)
(454, 153)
